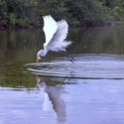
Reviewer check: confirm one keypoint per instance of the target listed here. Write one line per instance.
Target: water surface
(90, 90)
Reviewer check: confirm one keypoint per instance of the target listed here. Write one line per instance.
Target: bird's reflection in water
(53, 100)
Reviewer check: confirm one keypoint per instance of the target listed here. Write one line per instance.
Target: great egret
(55, 34)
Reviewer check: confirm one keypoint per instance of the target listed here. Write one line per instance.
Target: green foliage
(13, 18)
(28, 13)
(22, 22)
(122, 23)
(3, 10)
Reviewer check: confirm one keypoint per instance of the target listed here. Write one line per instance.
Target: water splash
(85, 66)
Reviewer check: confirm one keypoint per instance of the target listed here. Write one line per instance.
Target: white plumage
(55, 34)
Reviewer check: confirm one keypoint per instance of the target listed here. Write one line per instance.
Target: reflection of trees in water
(18, 43)
(53, 100)
(92, 40)
(20, 38)
(14, 75)
(97, 40)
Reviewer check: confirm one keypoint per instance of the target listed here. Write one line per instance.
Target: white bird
(55, 34)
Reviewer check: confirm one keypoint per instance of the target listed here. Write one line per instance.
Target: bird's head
(39, 55)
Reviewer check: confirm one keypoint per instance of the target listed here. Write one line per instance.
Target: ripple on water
(85, 66)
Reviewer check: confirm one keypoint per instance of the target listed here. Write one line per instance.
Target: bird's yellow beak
(37, 58)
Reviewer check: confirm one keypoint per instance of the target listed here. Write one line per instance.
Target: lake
(57, 91)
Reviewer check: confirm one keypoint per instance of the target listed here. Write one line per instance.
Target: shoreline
(84, 24)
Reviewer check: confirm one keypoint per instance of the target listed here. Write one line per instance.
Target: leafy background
(86, 13)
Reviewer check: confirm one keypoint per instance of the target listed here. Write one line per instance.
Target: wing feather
(58, 40)
(62, 31)
(50, 27)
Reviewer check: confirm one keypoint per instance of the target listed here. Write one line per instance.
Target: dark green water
(56, 90)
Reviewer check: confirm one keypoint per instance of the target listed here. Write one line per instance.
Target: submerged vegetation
(28, 13)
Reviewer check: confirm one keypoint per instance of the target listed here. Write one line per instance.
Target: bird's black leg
(69, 57)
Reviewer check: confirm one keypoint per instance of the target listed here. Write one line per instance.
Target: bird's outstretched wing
(58, 39)
(62, 31)
(50, 27)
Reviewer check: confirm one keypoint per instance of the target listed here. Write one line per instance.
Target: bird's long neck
(45, 51)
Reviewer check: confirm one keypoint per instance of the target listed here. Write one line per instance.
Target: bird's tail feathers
(66, 44)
